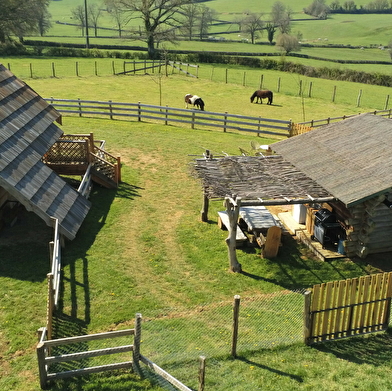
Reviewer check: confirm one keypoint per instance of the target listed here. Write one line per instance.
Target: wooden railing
(165, 114)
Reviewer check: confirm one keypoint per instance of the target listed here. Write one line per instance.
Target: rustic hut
(27, 132)
(352, 161)
(340, 172)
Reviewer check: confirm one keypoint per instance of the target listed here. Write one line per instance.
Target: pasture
(143, 249)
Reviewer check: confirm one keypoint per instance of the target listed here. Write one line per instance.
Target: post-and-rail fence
(346, 308)
(194, 118)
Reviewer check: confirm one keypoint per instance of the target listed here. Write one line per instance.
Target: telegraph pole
(86, 21)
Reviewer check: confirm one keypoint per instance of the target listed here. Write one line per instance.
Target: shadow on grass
(375, 349)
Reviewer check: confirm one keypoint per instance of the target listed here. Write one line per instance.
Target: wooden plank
(272, 242)
(315, 315)
(223, 222)
(327, 306)
(340, 302)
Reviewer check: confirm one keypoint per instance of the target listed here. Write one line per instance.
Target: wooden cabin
(351, 160)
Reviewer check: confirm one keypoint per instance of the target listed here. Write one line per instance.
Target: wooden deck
(300, 232)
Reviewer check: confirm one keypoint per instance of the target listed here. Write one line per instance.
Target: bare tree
(94, 13)
(206, 17)
(191, 17)
(78, 15)
(281, 17)
(159, 18)
(252, 25)
(117, 14)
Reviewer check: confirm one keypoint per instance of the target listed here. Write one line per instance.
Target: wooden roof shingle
(27, 132)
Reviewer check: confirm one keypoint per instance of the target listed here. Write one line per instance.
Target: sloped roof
(351, 159)
(27, 132)
(256, 177)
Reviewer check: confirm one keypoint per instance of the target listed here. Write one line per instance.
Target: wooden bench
(223, 223)
(258, 219)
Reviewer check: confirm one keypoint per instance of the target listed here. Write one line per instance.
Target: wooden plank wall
(340, 309)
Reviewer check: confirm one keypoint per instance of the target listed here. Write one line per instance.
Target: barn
(339, 173)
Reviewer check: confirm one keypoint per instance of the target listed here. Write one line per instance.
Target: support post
(307, 318)
(136, 344)
(236, 312)
(233, 210)
(41, 365)
(204, 210)
(202, 373)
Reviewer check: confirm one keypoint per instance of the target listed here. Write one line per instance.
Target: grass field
(143, 249)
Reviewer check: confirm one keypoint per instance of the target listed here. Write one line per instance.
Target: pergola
(250, 181)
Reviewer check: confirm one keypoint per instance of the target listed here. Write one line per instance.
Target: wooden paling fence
(346, 308)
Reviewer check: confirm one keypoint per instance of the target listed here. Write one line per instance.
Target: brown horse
(262, 94)
(195, 101)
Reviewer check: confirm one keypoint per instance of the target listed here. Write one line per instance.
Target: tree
(251, 25)
(288, 43)
(206, 17)
(117, 14)
(335, 5)
(281, 17)
(94, 13)
(20, 17)
(349, 5)
(318, 9)
(159, 17)
(191, 16)
(78, 14)
(271, 29)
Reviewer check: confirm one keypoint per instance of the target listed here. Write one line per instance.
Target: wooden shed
(27, 132)
(351, 160)
(340, 172)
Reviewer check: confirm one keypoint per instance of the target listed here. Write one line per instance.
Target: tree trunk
(233, 210)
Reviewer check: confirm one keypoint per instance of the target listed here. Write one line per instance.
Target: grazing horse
(262, 94)
(195, 101)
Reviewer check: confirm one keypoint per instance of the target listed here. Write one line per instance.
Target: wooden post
(41, 365)
(359, 98)
(204, 210)
(225, 122)
(202, 373)
(110, 109)
(232, 210)
(77, 68)
(166, 115)
(95, 68)
(278, 88)
(300, 88)
(197, 71)
(334, 94)
(226, 75)
(50, 306)
(307, 318)
(139, 118)
(261, 82)
(386, 102)
(114, 70)
(236, 312)
(53, 70)
(310, 89)
(193, 120)
(243, 79)
(134, 67)
(136, 344)
(31, 70)
(124, 66)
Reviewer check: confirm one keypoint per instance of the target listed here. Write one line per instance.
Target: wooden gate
(346, 308)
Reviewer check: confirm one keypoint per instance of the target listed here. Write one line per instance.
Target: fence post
(333, 94)
(134, 67)
(80, 107)
(49, 320)
(225, 122)
(236, 311)
(53, 70)
(310, 89)
(138, 112)
(114, 69)
(31, 70)
(110, 109)
(243, 79)
(136, 344)
(9, 66)
(41, 365)
(278, 84)
(202, 373)
(124, 66)
(300, 88)
(193, 120)
(166, 114)
(307, 318)
(95, 68)
(226, 75)
(386, 102)
(258, 127)
(261, 82)
(197, 71)
(77, 68)
(359, 98)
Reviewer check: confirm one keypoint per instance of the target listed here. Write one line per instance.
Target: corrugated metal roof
(27, 132)
(351, 159)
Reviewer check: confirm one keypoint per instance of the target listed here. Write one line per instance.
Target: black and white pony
(195, 101)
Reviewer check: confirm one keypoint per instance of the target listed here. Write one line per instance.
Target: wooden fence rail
(165, 114)
(340, 309)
